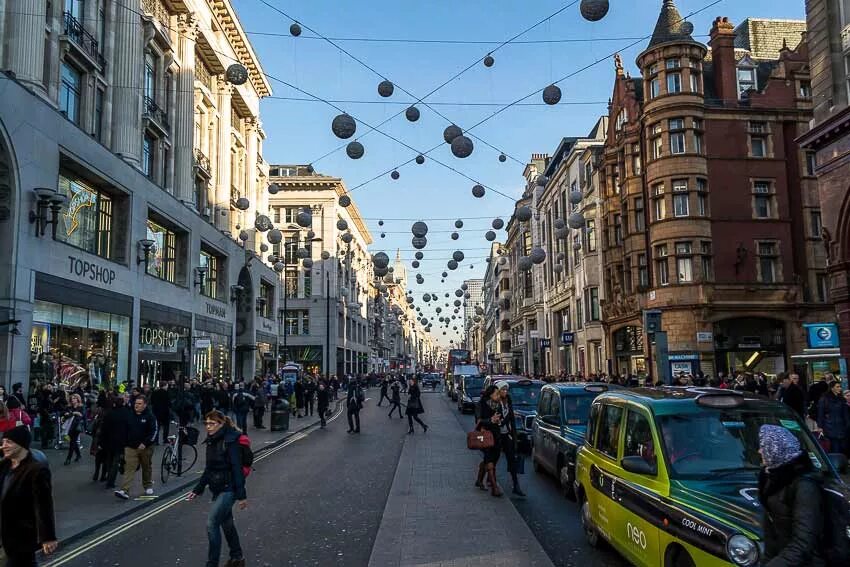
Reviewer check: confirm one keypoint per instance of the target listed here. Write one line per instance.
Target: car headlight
(742, 550)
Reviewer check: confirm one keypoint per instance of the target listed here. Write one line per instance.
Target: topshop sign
(158, 339)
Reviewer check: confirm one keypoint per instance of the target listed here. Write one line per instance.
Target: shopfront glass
(211, 362)
(161, 352)
(71, 345)
(265, 358)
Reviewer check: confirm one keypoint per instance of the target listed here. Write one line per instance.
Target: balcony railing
(202, 73)
(74, 30)
(156, 9)
(202, 161)
(152, 111)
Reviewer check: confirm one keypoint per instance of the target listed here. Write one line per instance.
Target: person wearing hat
(27, 523)
(790, 495)
(507, 433)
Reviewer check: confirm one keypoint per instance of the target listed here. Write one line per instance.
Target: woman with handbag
(414, 407)
(12, 415)
(74, 423)
(490, 419)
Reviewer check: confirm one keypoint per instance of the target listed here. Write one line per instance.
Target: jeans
(220, 519)
(242, 420)
(258, 417)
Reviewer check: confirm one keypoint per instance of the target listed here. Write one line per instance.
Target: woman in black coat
(790, 495)
(414, 407)
(490, 418)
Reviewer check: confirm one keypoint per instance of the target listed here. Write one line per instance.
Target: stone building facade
(711, 210)
(118, 125)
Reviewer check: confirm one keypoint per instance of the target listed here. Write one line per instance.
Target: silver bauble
(262, 223)
(503, 158)
(498, 223)
(488, 60)
(575, 220)
(347, 237)
(462, 147)
(593, 10)
(452, 265)
(575, 197)
(279, 267)
(451, 132)
(295, 29)
(457, 255)
(552, 94)
(412, 113)
(274, 236)
(236, 74)
(307, 263)
(419, 228)
(419, 255)
(385, 88)
(523, 213)
(326, 255)
(343, 126)
(524, 263)
(559, 223)
(394, 174)
(354, 150)
(561, 232)
(538, 255)
(478, 191)
(342, 224)
(344, 201)
(455, 236)
(415, 263)
(242, 203)
(420, 159)
(303, 219)
(490, 235)
(264, 247)
(274, 188)
(302, 253)
(419, 242)
(243, 235)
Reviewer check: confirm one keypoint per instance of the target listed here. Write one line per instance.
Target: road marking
(171, 503)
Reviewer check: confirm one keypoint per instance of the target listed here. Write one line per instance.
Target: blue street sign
(822, 335)
(568, 338)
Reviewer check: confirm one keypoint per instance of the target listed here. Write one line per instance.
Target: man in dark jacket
(260, 399)
(161, 406)
(26, 502)
(354, 403)
(791, 500)
(299, 397)
(395, 401)
(113, 435)
(384, 387)
(242, 403)
(833, 418)
(323, 399)
(793, 395)
(309, 396)
(138, 448)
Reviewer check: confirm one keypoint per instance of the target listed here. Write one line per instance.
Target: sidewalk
(82, 505)
(435, 516)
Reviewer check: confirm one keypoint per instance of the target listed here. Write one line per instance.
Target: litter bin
(280, 416)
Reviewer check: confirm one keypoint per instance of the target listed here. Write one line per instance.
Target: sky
(298, 131)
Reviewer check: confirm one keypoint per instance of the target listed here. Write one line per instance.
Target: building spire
(671, 26)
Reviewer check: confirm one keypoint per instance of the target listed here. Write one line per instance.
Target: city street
(321, 497)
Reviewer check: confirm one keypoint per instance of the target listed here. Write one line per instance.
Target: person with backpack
(242, 404)
(224, 475)
(791, 498)
(354, 403)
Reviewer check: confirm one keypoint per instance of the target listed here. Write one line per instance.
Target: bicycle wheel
(167, 463)
(190, 456)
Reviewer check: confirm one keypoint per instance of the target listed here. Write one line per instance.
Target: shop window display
(212, 362)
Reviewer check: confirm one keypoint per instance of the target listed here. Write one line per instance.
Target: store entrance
(151, 372)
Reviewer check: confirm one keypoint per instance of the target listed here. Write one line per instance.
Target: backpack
(836, 521)
(246, 455)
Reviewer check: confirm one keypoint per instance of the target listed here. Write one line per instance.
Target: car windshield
(473, 385)
(725, 441)
(525, 395)
(577, 408)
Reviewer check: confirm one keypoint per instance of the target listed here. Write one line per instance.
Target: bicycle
(189, 454)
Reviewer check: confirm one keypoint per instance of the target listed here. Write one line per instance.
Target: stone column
(25, 47)
(184, 122)
(127, 72)
(222, 188)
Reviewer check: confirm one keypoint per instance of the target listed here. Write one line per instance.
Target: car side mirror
(638, 465)
(839, 461)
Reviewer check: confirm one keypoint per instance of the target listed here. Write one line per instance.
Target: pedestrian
(74, 423)
(354, 403)
(793, 395)
(507, 433)
(26, 504)
(138, 447)
(323, 399)
(112, 438)
(161, 406)
(12, 415)
(414, 407)
(241, 403)
(260, 399)
(226, 481)
(834, 418)
(309, 396)
(790, 496)
(97, 451)
(490, 418)
(384, 386)
(395, 401)
(299, 397)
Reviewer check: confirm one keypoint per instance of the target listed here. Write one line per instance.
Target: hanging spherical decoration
(347, 237)
(462, 147)
(576, 245)
(394, 174)
(274, 236)
(242, 203)
(279, 267)
(503, 158)
(524, 263)
(455, 236)
(561, 232)
(326, 255)
(302, 253)
(488, 60)
(457, 256)
(458, 293)
(342, 224)
(311, 235)
(523, 213)
(264, 247)
(464, 286)
(344, 201)
(498, 223)
(593, 10)
(343, 126)
(451, 132)
(478, 191)
(458, 223)
(383, 235)
(560, 257)
(559, 223)
(490, 235)
(419, 242)
(452, 265)
(304, 219)
(541, 180)
(274, 188)
(557, 268)
(445, 274)
(380, 223)
(243, 235)
(419, 255)
(295, 29)
(380, 272)
(575, 220)
(503, 261)
(552, 94)
(420, 159)
(236, 74)
(412, 113)
(457, 303)
(381, 260)
(354, 150)
(307, 263)
(419, 228)
(538, 255)
(385, 88)
(415, 263)
(575, 197)
(262, 223)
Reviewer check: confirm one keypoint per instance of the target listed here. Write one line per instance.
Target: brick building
(711, 210)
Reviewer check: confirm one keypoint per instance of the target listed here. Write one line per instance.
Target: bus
(457, 357)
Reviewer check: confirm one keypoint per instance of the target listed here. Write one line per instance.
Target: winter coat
(141, 428)
(323, 399)
(396, 393)
(223, 470)
(242, 401)
(161, 404)
(355, 395)
(414, 401)
(299, 394)
(114, 430)
(26, 508)
(833, 416)
(794, 399)
(790, 497)
(15, 416)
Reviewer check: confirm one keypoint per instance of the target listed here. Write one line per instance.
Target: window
(163, 262)
(698, 142)
(811, 163)
(214, 265)
(608, 438)
(590, 234)
(659, 208)
(805, 89)
(661, 264)
(98, 114)
(672, 64)
(768, 254)
(87, 221)
(265, 300)
(639, 215)
(627, 275)
(694, 82)
(618, 229)
(147, 155)
(637, 166)
(655, 129)
(698, 124)
(291, 282)
(75, 8)
(677, 123)
(70, 92)
(638, 441)
(657, 147)
(674, 83)
(677, 142)
(579, 316)
(822, 281)
(702, 204)
(653, 69)
(762, 207)
(654, 87)
(684, 263)
(707, 269)
(746, 80)
(150, 77)
(680, 205)
(591, 303)
(758, 127)
(643, 272)
(816, 224)
(759, 146)
(297, 322)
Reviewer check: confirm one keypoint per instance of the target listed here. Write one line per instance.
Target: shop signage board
(567, 338)
(705, 337)
(161, 338)
(545, 343)
(822, 335)
(91, 271)
(203, 343)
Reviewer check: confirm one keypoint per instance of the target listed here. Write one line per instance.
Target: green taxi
(669, 476)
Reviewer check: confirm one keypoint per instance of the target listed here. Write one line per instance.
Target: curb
(177, 488)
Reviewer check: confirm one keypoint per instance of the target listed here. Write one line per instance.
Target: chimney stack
(722, 45)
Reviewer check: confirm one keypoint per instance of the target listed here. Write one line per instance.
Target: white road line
(162, 508)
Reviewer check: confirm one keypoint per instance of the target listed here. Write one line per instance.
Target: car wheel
(538, 468)
(678, 557)
(590, 533)
(567, 478)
